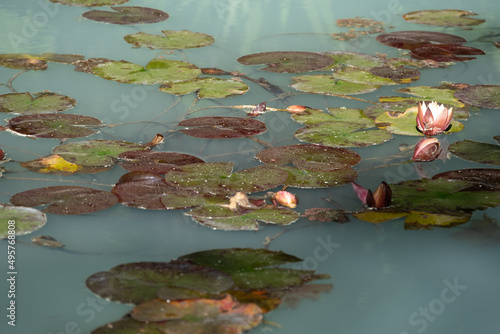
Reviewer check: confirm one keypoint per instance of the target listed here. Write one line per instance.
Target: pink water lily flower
(427, 149)
(380, 198)
(433, 119)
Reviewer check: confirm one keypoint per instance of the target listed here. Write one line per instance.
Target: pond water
(386, 279)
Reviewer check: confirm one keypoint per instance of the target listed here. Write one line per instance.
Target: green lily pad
(157, 71)
(206, 88)
(218, 127)
(341, 127)
(300, 178)
(44, 102)
(354, 59)
(172, 39)
(139, 282)
(440, 95)
(155, 161)
(484, 96)
(310, 157)
(484, 153)
(360, 76)
(216, 178)
(95, 152)
(288, 61)
(399, 105)
(90, 3)
(443, 17)
(59, 126)
(127, 15)
(66, 200)
(22, 220)
(222, 218)
(328, 85)
(405, 124)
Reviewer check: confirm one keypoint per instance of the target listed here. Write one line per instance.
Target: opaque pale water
(386, 279)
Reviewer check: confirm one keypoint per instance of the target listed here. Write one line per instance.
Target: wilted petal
(427, 149)
(360, 191)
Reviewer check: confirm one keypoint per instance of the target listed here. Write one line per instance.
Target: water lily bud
(295, 109)
(285, 198)
(427, 149)
(2, 154)
(433, 119)
(380, 198)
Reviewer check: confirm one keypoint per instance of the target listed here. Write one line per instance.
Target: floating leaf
(398, 74)
(405, 124)
(310, 157)
(341, 127)
(66, 200)
(328, 85)
(222, 218)
(216, 178)
(59, 126)
(412, 39)
(359, 76)
(354, 59)
(288, 61)
(184, 198)
(443, 17)
(95, 153)
(46, 241)
(426, 93)
(127, 15)
(487, 177)
(90, 3)
(157, 71)
(20, 219)
(139, 282)
(172, 39)
(155, 161)
(475, 151)
(301, 178)
(44, 102)
(222, 127)
(206, 88)
(484, 96)
(54, 164)
(87, 65)
(223, 316)
(398, 105)
(24, 61)
(445, 52)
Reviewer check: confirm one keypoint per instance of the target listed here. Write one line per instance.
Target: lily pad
(412, 39)
(55, 164)
(484, 96)
(127, 15)
(487, 177)
(155, 161)
(66, 200)
(360, 76)
(22, 220)
(341, 127)
(398, 74)
(443, 17)
(90, 3)
(439, 94)
(222, 218)
(444, 52)
(185, 198)
(218, 127)
(141, 281)
(157, 71)
(328, 85)
(206, 88)
(484, 153)
(171, 39)
(46, 241)
(404, 123)
(223, 316)
(95, 152)
(301, 178)
(288, 61)
(44, 102)
(310, 157)
(216, 178)
(58, 126)
(24, 61)
(354, 59)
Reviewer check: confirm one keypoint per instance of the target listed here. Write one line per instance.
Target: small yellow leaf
(56, 163)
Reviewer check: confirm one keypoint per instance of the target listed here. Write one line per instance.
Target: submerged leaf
(443, 17)
(412, 39)
(127, 15)
(301, 178)
(36, 61)
(328, 85)
(218, 127)
(172, 39)
(155, 161)
(22, 220)
(444, 52)
(66, 200)
(206, 88)
(354, 59)
(44, 102)
(288, 61)
(90, 3)
(484, 153)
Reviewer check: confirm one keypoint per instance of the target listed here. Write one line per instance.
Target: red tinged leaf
(154, 161)
(445, 52)
(412, 39)
(222, 127)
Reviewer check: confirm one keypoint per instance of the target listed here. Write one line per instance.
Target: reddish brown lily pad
(154, 161)
(66, 200)
(444, 52)
(412, 39)
(288, 61)
(53, 125)
(127, 15)
(222, 127)
(487, 177)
